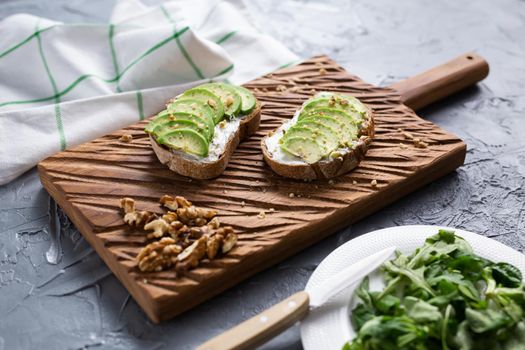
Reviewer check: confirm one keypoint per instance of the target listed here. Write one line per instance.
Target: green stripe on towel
(226, 70)
(140, 105)
(58, 114)
(114, 55)
(25, 41)
(180, 46)
(225, 38)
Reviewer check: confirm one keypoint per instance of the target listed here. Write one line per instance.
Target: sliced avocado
(349, 125)
(301, 131)
(153, 123)
(352, 117)
(192, 106)
(230, 99)
(333, 124)
(205, 124)
(247, 98)
(345, 103)
(328, 137)
(198, 126)
(303, 147)
(207, 97)
(185, 140)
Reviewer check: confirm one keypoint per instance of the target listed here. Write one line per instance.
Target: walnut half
(213, 245)
(127, 204)
(194, 216)
(139, 218)
(173, 203)
(191, 256)
(158, 255)
(159, 227)
(229, 242)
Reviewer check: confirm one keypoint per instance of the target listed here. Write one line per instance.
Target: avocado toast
(200, 129)
(327, 137)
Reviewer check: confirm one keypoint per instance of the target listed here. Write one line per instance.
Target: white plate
(329, 327)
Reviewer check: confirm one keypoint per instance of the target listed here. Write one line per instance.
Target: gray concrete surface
(78, 304)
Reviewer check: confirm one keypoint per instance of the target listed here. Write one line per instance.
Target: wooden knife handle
(441, 81)
(262, 327)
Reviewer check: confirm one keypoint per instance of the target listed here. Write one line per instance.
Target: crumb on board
(261, 214)
(407, 135)
(331, 182)
(291, 195)
(373, 183)
(354, 182)
(243, 204)
(420, 144)
(126, 138)
(322, 71)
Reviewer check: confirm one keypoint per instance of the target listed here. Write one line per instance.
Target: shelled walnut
(194, 216)
(213, 245)
(183, 236)
(159, 227)
(190, 257)
(127, 204)
(159, 255)
(174, 203)
(133, 217)
(170, 217)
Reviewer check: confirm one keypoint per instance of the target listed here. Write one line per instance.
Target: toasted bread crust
(325, 169)
(197, 169)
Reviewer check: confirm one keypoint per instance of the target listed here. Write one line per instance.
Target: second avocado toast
(327, 137)
(200, 129)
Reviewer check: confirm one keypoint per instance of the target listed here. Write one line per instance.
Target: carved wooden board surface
(87, 182)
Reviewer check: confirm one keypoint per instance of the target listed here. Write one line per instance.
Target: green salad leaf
(443, 296)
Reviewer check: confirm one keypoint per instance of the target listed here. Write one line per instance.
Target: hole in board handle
(470, 57)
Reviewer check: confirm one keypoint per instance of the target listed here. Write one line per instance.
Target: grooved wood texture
(87, 181)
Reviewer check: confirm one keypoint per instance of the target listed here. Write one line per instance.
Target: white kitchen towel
(63, 84)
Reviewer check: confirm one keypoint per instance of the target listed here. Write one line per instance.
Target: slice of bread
(196, 168)
(325, 168)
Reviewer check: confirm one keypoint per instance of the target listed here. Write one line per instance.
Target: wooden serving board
(88, 181)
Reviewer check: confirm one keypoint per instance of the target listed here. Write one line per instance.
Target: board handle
(441, 81)
(262, 327)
